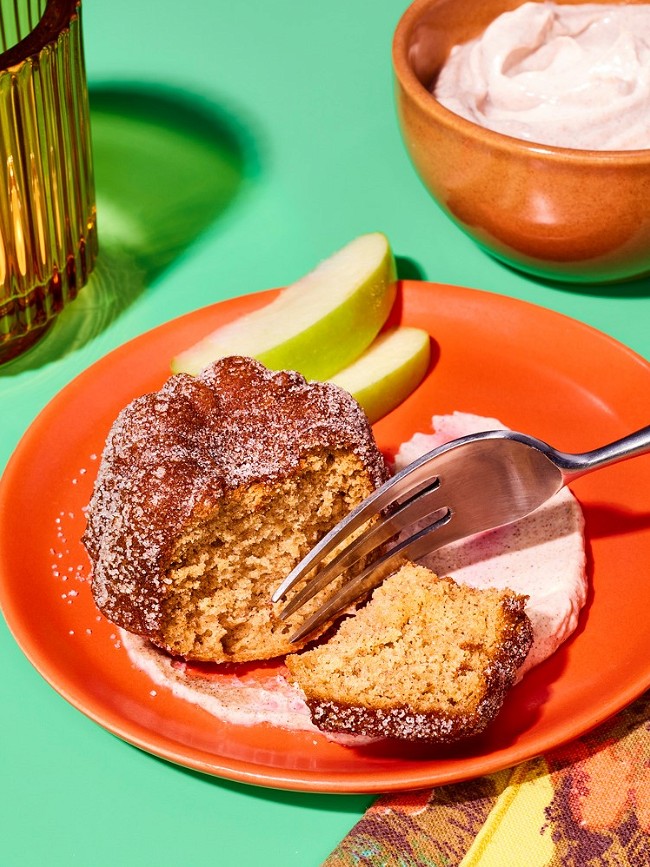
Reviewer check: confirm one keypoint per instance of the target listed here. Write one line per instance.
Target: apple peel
(319, 324)
(388, 371)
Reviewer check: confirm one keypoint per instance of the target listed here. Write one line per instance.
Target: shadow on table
(321, 801)
(167, 167)
(633, 288)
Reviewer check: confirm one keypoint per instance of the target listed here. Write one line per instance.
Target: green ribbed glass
(48, 238)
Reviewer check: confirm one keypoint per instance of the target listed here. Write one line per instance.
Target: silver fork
(471, 484)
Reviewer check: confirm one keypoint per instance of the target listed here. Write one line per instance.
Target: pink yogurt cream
(574, 76)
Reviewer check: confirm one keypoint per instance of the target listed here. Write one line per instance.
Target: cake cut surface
(209, 492)
(426, 659)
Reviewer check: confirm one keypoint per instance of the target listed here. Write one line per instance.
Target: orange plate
(534, 369)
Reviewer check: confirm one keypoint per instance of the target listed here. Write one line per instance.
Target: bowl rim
(429, 105)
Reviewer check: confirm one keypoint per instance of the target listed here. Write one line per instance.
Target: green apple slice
(319, 324)
(388, 371)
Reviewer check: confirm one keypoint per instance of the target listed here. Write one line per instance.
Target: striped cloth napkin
(585, 804)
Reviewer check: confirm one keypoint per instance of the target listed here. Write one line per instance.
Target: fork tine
(398, 488)
(420, 505)
(421, 543)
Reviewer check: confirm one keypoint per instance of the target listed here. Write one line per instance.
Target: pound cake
(426, 659)
(208, 493)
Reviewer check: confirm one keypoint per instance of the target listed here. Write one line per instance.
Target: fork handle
(630, 446)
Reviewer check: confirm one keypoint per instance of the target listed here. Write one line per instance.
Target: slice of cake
(209, 492)
(426, 659)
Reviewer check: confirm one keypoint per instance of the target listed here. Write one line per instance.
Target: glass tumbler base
(19, 345)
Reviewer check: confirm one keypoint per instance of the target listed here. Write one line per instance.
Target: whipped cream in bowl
(575, 76)
(530, 128)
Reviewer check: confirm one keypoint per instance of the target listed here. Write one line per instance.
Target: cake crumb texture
(426, 659)
(209, 492)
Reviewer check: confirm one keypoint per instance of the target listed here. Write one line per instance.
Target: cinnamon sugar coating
(426, 660)
(208, 493)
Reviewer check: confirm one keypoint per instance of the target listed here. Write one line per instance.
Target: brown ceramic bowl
(560, 213)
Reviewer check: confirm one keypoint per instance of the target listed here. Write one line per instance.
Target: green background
(236, 145)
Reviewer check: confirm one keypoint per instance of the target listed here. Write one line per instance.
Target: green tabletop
(236, 145)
